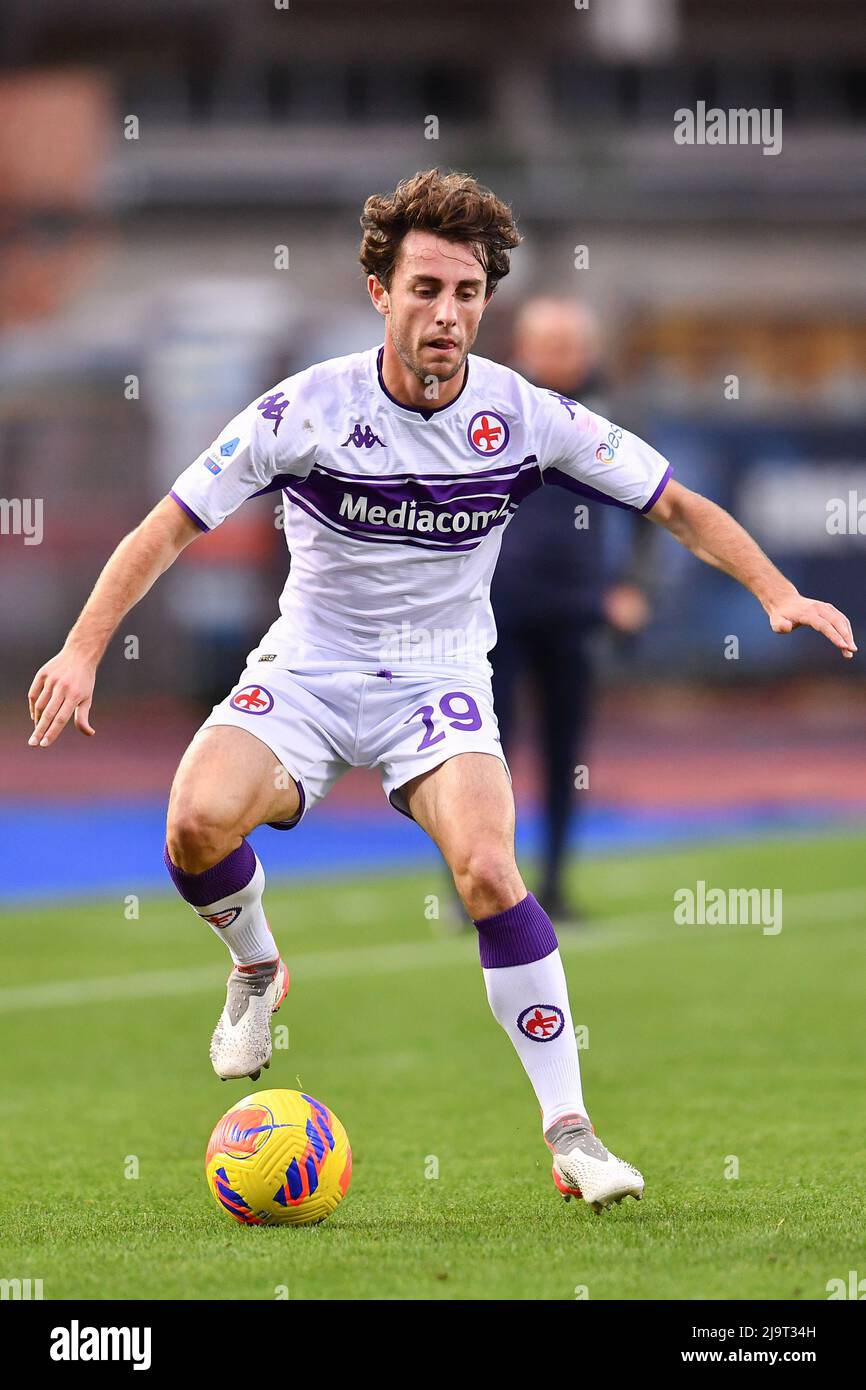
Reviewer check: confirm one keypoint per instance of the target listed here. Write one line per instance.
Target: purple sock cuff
(230, 875)
(518, 936)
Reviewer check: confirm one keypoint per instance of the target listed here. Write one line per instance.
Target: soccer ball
(279, 1158)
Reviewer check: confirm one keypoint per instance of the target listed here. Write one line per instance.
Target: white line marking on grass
(353, 962)
(344, 963)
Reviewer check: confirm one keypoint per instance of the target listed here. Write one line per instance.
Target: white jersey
(393, 515)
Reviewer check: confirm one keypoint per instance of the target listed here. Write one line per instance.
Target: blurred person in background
(555, 589)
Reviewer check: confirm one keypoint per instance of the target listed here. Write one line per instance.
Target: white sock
(531, 1003)
(239, 921)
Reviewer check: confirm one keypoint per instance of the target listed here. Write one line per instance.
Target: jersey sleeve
(273, 438)
(590, 455)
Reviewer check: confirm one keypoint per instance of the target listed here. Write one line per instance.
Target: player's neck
(406, 389)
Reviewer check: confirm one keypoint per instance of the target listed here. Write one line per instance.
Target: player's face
(434, 305)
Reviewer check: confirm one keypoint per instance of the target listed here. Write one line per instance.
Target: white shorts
(320, 724)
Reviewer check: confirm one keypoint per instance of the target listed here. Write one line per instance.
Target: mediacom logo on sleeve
(77, 1343)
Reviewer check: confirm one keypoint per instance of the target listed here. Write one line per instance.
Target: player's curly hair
(454, 206)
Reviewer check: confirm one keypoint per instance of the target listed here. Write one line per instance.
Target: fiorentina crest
(222, 919)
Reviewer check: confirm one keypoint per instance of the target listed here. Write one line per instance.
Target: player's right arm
(64, 685)
(272, 437)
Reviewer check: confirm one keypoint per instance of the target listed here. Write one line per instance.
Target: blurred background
(180, 186)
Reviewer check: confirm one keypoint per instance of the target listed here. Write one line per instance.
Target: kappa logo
(362, 438)
(253, 699)
(273, 408)
(224, 918)
(488, 433)
(564, 401)
(541, 1022)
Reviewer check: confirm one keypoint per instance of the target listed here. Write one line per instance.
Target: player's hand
(626, 608)
(61, 688)
(810, 612)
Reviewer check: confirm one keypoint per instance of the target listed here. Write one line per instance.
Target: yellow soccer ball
(279, 1158)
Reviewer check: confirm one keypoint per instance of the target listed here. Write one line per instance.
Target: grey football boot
(241, 1044)
(583, 1167)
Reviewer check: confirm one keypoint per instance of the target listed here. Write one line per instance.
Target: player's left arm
(715, 537)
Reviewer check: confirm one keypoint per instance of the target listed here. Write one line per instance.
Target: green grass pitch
(712, 1049)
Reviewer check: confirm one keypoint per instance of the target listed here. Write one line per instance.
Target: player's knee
(487, 880)
(199, 837)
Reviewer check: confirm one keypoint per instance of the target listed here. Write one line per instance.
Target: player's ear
(378, 294)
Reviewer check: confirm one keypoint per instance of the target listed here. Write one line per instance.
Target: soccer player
(399, 468)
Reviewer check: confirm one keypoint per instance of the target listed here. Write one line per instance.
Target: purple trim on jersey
(276, 484)
(425, 414)
(323, 495)
(496, 471)
(282, 480)
(230, 875)
(321, 486)
(663, 482)
(555, 475)
(518, 936)
(505, 472)
(189, 511)
(290, 824)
